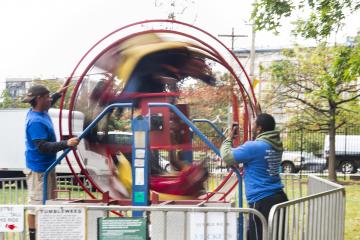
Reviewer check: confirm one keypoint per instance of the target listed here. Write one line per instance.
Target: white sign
(61, 223)
(140, 153)
(139, 176)
(12, 219)
(140, 139)
(139, 163)
(215, 227)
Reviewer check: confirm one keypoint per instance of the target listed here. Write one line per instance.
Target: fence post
(345, 145)
(301, 150)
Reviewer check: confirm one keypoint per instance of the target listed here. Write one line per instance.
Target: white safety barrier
(315, 211)
(78, 222)
(318, 216)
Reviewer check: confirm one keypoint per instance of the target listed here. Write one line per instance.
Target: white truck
(12, 143)
(347, 152)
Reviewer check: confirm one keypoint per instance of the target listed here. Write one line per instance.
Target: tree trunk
(332, 157)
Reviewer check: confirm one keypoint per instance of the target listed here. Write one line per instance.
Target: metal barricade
(318, 216)
(164, 222)
(293, 185)
(13, 191)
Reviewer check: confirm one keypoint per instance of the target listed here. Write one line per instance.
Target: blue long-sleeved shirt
(261, 167)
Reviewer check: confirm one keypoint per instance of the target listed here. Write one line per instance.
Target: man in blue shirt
(261, 161)
(41, 146)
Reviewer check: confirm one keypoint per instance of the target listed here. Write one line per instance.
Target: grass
(18, 196)
(352, 217)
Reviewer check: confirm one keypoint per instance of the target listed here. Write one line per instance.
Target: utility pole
(233, 109)
(233, 36)
(252, 54)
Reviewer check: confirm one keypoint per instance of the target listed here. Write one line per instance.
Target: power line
(233, 36)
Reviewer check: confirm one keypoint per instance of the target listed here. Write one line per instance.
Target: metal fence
(320, 215)
(13, 190)
(164, 222)
(316, 209)
(306, 151)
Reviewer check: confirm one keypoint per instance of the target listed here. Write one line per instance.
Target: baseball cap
(34, 91)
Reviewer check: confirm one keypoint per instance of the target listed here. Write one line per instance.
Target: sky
(46, 38)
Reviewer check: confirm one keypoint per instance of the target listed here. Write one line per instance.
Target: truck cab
(347, 152)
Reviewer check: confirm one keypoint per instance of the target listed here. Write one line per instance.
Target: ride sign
(113, 228)
(12, 219)
(66, 223)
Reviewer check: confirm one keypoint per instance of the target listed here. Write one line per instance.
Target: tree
(9, 102)
(210, 102)
(321, 86)
(320, 18)
(52, 84)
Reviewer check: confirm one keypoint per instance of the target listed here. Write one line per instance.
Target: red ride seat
(189, 182)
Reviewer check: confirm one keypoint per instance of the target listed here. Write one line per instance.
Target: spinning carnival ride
(153, 72)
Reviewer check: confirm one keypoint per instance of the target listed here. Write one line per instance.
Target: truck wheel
(167, 167)
(347, 167)
(288, 167)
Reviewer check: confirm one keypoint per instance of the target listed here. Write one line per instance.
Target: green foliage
(9, 102)
(209, 102)
(119, 124)
(319, 19)
(52, 84)
(268, 13)
(320, 87)
(321, 83)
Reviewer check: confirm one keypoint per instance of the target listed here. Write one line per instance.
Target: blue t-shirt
(261, 169)
(38, 126)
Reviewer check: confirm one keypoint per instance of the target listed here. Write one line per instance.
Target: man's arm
(241, 154)
(58, 94)
(55, 97)
(226, 152)
(39, 136)
(50, 147)
(54, 147)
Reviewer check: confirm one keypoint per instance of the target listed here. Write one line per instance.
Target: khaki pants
(35, 184)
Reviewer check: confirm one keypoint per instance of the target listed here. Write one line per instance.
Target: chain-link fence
(308, 151)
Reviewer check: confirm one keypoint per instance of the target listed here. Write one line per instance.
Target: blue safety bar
(212, 146)
(240, 202)
(211, 124)
(188, 122)
(82, 135)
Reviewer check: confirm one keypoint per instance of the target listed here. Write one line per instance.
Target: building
(17, 86)
(264, 86)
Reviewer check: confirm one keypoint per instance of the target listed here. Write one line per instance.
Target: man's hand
(233, 131)
(241, 170)
(73, 142)
(257, 108)
(62, 89)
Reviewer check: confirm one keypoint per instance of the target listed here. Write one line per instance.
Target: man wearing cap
(41, 146)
